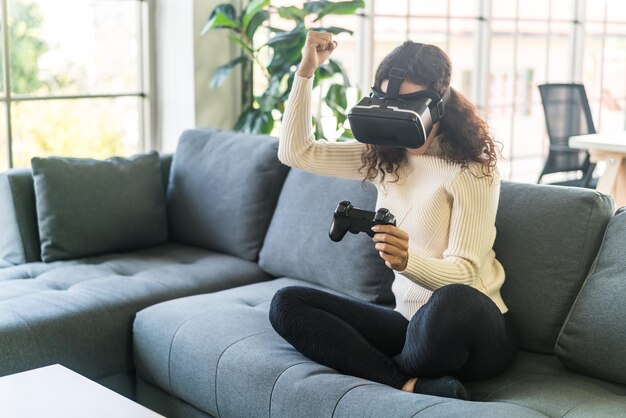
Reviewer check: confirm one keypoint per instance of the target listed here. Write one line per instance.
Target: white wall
(185, 62)
(216, 108)
(175, 102)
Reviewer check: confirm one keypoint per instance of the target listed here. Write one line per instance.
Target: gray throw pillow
(593, 338)
(548, 237)
(223, 190)
(298, 246)
(89, 207)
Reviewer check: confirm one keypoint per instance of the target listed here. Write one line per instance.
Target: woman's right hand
(317, 49)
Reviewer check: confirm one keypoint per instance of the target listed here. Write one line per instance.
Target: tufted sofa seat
(217, 354)
(79, 312)
(541, 382)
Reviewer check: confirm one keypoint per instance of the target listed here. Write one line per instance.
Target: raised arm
(298, 147)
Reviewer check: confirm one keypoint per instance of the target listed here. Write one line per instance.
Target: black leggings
(460, 332)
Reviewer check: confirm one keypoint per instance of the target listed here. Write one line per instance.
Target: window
(604, 62)
(501, 51)
(75, 79)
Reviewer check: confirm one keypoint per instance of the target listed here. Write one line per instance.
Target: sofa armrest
(19, 240)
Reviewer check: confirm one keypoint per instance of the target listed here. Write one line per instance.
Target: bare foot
(409, 385)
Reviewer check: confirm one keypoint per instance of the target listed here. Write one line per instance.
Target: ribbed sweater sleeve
(297, 146)
(471, 236)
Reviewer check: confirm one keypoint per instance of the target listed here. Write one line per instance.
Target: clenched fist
(317, 49)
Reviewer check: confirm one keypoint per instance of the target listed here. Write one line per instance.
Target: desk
(609, 147)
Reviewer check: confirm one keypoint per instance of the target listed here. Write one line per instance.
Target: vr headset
(397, 120)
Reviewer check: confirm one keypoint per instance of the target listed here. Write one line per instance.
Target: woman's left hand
(392, 244)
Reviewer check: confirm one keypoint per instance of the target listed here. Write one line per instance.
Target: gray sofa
(182, 327)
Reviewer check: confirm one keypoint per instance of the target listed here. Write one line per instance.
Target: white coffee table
(58, 392)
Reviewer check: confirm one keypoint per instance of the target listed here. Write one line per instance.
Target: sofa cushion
(19, 240)
(90, 207)
(223, 190)
(178, 345)
(548, 237)
(297, 243)
(79, 313)
(317, 389)
(540, 382)
(593, 338)
(219, 354)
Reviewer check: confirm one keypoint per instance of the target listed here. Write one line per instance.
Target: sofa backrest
(298, 246)
(223, 190)
(19, 240)
(547, 239)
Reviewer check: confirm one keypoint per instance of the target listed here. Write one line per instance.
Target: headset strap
(398, 71)
(441, 104)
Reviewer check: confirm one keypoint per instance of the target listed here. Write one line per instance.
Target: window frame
(146, 86)
(484, 36)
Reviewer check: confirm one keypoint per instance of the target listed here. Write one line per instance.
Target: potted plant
(284, 51)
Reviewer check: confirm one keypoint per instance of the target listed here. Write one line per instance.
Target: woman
(450, 321)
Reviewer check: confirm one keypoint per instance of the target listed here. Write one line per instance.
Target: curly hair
(463, 136)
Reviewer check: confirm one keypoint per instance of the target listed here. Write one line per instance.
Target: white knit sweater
(448, 213)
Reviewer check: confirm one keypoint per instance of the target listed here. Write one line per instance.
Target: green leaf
(314, 7)
(222, 16)
(336, 98)
(346, 135)
(333, 29)
(244, 121)
(222, 72)
(287, 39)
(255, 121)
(256, 21)
(292, 12)
(288, 55)
(270, 97)
(319, 130)
(288, 85)
(340, 8)
(239, 42)
(276, 30)
(331, 68)
(264, 122)
(253, 7)
(324, 72)
(283, 59)
(286, 50)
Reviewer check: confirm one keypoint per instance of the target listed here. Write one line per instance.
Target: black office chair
(567, 113)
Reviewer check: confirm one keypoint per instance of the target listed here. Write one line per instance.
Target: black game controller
(348, 218)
